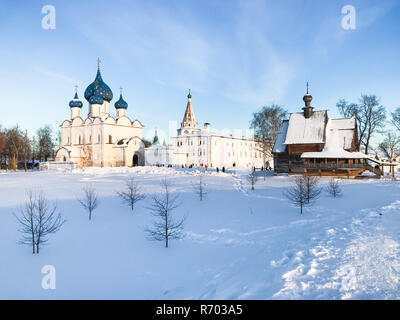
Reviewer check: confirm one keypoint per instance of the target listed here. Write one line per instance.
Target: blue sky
(236, 56)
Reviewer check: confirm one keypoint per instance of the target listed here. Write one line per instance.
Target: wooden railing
(328, 166)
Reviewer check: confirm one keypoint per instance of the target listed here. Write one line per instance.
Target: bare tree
(2, 147)
(390, 146)
(25, 149)
(333, 188)
(38, 220)
(14, 138)
(199, 188)
(252, 178)
(90, 200)
(132, 193)
(45, 143)
(2, 142)
(266, 125)
(313, 190)
(396, 118)
(27, 222)
(369, 114)
(86, 155)
(165, 228)
(302, 193)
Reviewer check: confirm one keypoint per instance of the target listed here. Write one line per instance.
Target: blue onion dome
(75, 102)
(121, 103)
(96, 98)
(98, 87)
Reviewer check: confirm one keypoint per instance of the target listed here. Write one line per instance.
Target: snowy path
(355, 262)
(240, 244)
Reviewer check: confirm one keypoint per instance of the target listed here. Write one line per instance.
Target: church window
(98, 138)
(67, 140)
(79, 140)
(200, 142)
(90, 139)
(110, 139)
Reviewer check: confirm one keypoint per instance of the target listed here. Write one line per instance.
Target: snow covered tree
(90, 200)
(302, 193)
(266, 125)
(165, 228)
(132, 193)
(252, 178)
(38, 220)
(333, 188)
(199, 188)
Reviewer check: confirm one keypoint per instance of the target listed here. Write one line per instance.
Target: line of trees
(19, 151)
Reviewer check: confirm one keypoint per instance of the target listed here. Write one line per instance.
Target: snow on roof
(303, 130)
(215, 133)
(279, 145)
(345, 129)
(160, 147)
(338, 138)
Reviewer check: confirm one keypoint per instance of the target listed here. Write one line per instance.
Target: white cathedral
(106, 141)
(200, 147)
(100, 139)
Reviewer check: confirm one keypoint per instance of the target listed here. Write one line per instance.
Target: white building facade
(204, 147)
(100, 139)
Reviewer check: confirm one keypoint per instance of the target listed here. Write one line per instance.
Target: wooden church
(310, 143)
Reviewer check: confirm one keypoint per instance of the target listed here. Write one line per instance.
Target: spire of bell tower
(189, 120)
(308, 109)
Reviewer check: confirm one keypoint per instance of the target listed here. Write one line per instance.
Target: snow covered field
(239, 244)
